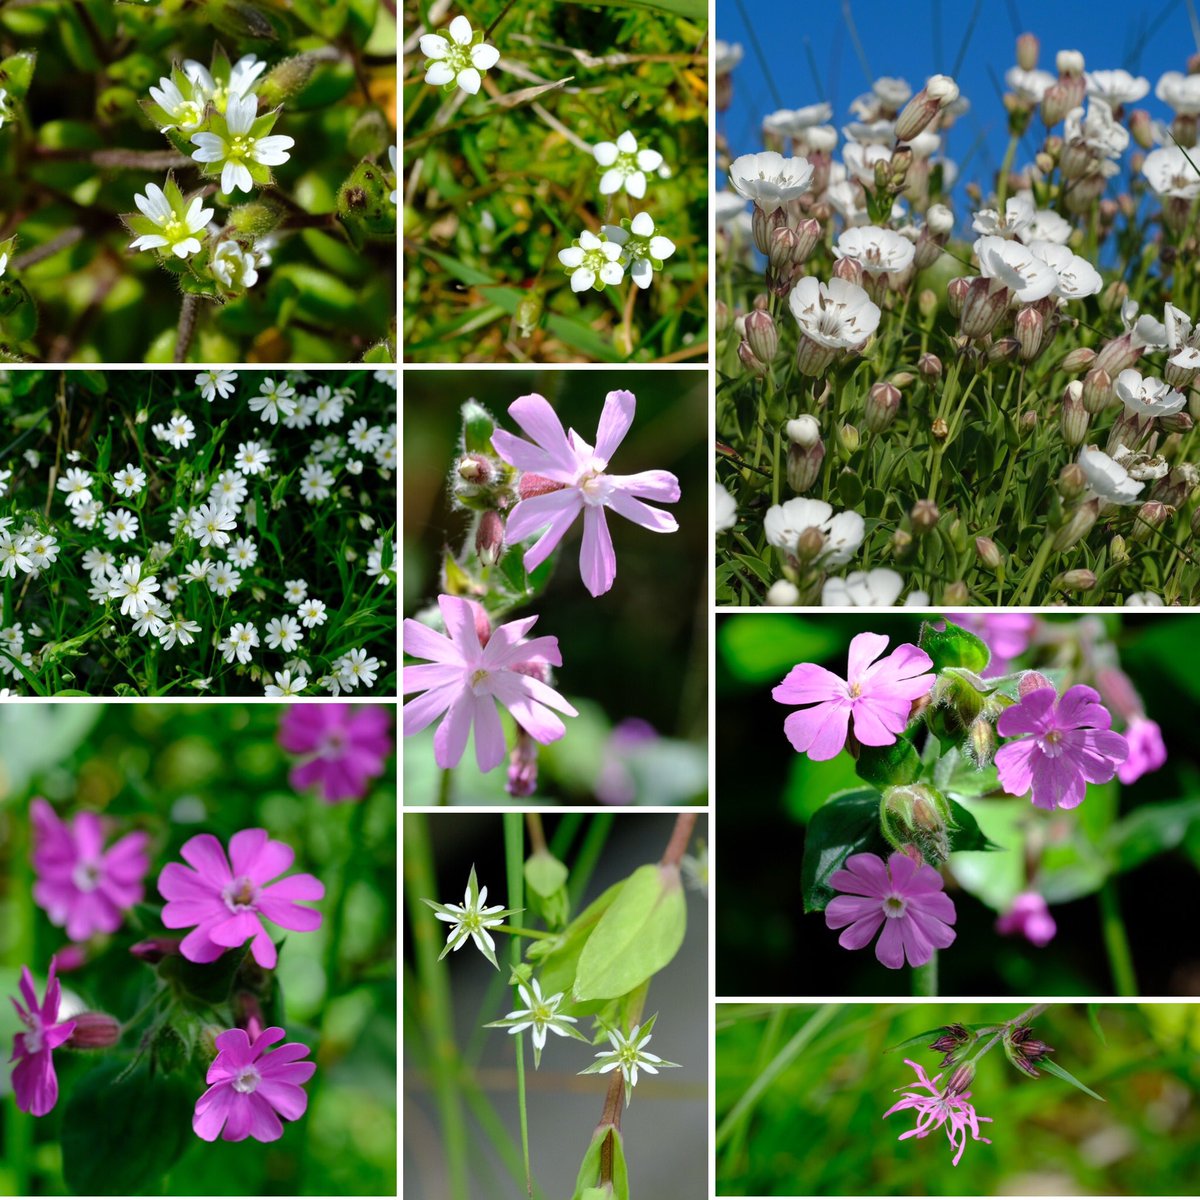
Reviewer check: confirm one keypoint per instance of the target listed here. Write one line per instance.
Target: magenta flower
(940, 1109)
(468, 673)
(1068, 745)
(878, 695)
(80, 884)
(342, 747)
(564, 476)
(1147, 750)
(1029, 916)
(227, 904)
(1007, 636)
(253, 1087)
(34, 1081)
(905, 897)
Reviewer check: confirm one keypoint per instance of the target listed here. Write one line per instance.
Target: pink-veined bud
(1077, 360)
(1097, 390)
(930, 366)
(848, 440)
(1061, 97)
(489, 538)
(1028, 326)
(924, 516)
(763, 225)
(94, 1031)
(750, 360)
(1176, 487)
(812, 359)
(938, 92)
(762, 334)
(983, 307)
(1077, 526)
(1141, 128)
(1074, 416)
(781, 251)
(723, 317)
(1151, 516)
(956, 294)
(155, 949)
(1032, 681)
(1078, 580)
(71, 957)
(883, 403)
(956, 593)
(1179, 422)
(1003, 349)
(804, 465)
(849, 269)
(1072, 482)
(808, 234)
(989, 553)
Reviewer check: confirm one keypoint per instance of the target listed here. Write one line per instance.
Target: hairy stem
(188, 311)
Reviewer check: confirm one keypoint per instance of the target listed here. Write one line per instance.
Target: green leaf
(210, 983)
(889, 766)
(955, 775)
(1052, 1068)
(967, 835)
(639, 934)
(1150, 830)
(953, 647)
(760, 648)
(544, 873)
(16, 73)
(848, 824)
(693, 10)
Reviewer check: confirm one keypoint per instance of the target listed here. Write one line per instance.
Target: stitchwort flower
(629, 1055)
(471, 920)
(541, 1015)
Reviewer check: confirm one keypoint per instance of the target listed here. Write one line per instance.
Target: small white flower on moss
(457, 57)
(624, 165)
(643, 250)
(239, 145)
(592, 262)
(169, 222)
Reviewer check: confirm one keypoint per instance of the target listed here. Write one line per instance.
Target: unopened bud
(924, 516)
(915, 814)
(883, 403)
(94, 1031)
(1079, 580)
(803, 430)
(1003, 349)
(849, 269)
(1078, 359)
(930, 366)
(522, 777)
(927, 302)
(810, 544)
(1023, 1050)
(902, 540)
(956, 294)
(1027, 51)
(938, 92)
(476, 469)
(848, 440)
(783, 594)
(762, 334)
(989, 553)
(1141, 128)
(961, 1080)
(981, 738)
(1077, 526)
(1117, 552)
(804, 464)
(1151, 516)
(982, 308)
(808, 234)
(902, 379)
(723, 317)
(812, 358)
(1111, 300)
(1028, 327)
(1072, 482)
(155, 949)
(782, 250)
(939, 430)
(489, 538)
(750, 360)
(1178, 422)
(1074, 417)
(1032, 681)
(956, 593)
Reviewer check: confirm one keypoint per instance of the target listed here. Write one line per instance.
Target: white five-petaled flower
(355, 668)
(1076, 276)
(77, 484)
(210, 524)
(135, 592)
(1107, 479)
(1170, 173)
(177, 432)
(841, 533)
(471, 920)
(238, 145)
(877, 588)
(243, 77)
(642, 250)
(216, 383)
(541, 1015)
(239, 642)
(284, 633)
(252, 458)
(592, 262)
(1009, 264)
(458, 60)
(1116, 88)
(1147, 396)
(130, 481)
(311, 612)
(120, 524)
(1181, 92)
(286, 684)
(838, 315)
(624, 165)
(769, 179)
(274, 398)
(628, 1055)
(168, 224)
(876, 250)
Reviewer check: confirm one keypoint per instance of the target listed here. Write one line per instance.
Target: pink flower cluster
(939, 1108)
(341, 747)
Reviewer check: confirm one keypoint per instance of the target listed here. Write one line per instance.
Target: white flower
(471, 920)
(861, 160)
(5, 476)
(1097, 130)
(1145, 599)
(233, 267)
(878, 588)
(624, 165)
(838, 314)
(877, 251)
(229, 491)
(243, 552)
(178, 629)
(224, 580)
(312, 612)
(1170, 173)
(295, 591)
(364, 437)
(120, 524)
(186, 112)
(328, 407)
(239, 642)
(209, 525)
(724, 509)
(197, 571)
(216, 383)
(643, 250)
(285, 685)
(1144, 331)
(726, 56)
(240, 145)
(629, 1055)
(242, 77)
(1107, 478)
(1029, 86)
(14, 554)
(1181, 92)
(130, 481)
(842, 532)
(1047, 226)
(728, 209)
(1076, 276)
(135, 593)
(539, 1014)
(175, 227)
(1116, 88)
(457, 60)
(315, 482)
(273, 399)
(177, 432)
(769, 179)
(1150, 397)
(284, 633)
(789, 122)
(592, 262)
(252, 458)
(85, 516)
(42, 549)
(357, 668)
(872, 133)
(782, 594)
(1018, 216)
(1015, 267)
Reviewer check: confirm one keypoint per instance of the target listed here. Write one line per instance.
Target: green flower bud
(364, 205)
(917, 815)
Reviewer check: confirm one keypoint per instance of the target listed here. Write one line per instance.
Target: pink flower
(227, 904)
(878, 695)
(905, 897)
(253, 1087)
(940, 1109)
(1007, 636)
(1069, 745)
(467, 674)
(33, 1078)
(80, 884)
(343, 747)
(1029, 916)
(1147, 750)
(570, 476)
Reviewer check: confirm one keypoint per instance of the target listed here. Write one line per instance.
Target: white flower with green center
(224, 80)
(169, 221)
(471, 920)
(286, 685)
(624, 165)
(629, 1055)
(643, 250)
(240, 146)
(541, 1015)
(457, 57)
(234, 267)
(177, 103)
(4, 113)
(592, 262)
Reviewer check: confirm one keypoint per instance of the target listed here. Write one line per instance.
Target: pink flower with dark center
(227, 903)
(905, 897)
(467, 675)
(1147, 750)
(253, 1087)
(1029, 916)
(80, 884)
(1007, 636)
(939, 1109)
(34, 1081)
(1062, 746)
(572, 478)
(877, 694)
(342, 747)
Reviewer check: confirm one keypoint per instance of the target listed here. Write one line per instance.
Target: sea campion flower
(564, 476)
(226, 899)
(1009, 265)
(833, 317)
(471, 920)
(541, 1015)
(251, 1087)
(1147, 396)
(642, 250)
(341, 747)
(239, 146)
(1062, 745)
(1169, 173)
(623, 165)
(169, 221)
(1180, 92)
(769, 179)
(940, 1108)
(878, 694)
(1029, 916)
(830, 539)
(1107, 479)
(1077, 277)
(878, 251)
(34, 1081)
(466, 675)
(458, 57)
(83, 887)
(629, 1055)
(593, 262)
(903, 896)
(879, 587)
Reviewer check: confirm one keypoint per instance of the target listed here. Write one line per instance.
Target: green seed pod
(364, 205)
(256, 219)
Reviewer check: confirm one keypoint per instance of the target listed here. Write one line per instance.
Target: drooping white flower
(1116, 88)
(1181, 92)
(1148, 396)
(168, 222)
(769, 179)
(1018, 216)
(1015, 267)
(592, 262)
(1144, 599)
(624, 165)
(878, 251)
(790, 122)
(1107, 478)
(842, 532)
(1076, 276)
(1171, 174)
(838, 314)
(458, 57)
(234, 267)
(178, 629)
(240, 145)
(1028, 86)
(642, 250)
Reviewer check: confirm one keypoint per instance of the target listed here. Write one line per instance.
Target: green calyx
(917, 815)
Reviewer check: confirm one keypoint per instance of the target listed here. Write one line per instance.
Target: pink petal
(490, 746)
(904, 662)
(597, 560)
(615, 421)
(287, 1099)
(878, 719)
(430, 676)
(819, 731)
(890, 947)
(648, 485)
(198, 947)
(235, 930)
(265, 1126)
(459, 617)
(1080, 706)
(808, 683)
(263, 949)
(531, 515)
(89, 835)
(505, 636)
(35, 1084)
(564, 518)
(918, 949)
(845, 910)
(287, 915)
(295, 887)
(860, 933)
(1015, 763)
(450, 740)
(1033, 714)
(654, 519)
(1057, 783)
(418, 713)
(935, 927)
(541, 649)
(535, 415)
(268, 1037)
(126, 858)
(207, 855)
(212, 1110)
(238, 1118)
(261, 858)
(864, 649)
(235, 1045)
(422, 642)
(864, 875)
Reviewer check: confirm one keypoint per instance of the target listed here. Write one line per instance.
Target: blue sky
(918, 38)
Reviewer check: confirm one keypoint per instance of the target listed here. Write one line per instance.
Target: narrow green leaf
(1052, 1068)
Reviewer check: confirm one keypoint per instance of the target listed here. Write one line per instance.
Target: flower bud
(762, 334)
(1179, 422)
(1072, 482)
(989, 553)
(1069, 64)
(1077, 526)
(956, 294)
(1003, 349)
(961, 1080)
(1176, 488)
(1074, 417)
(938, 92)
(981, 742)
(1097, 390)
(1027, 51)
(918, 815)
(901, 543)
(783, 594)
(982, 308)
(750, 360)
(532, 485)
(1061, 97)
(803, 430)
(763, 225)
(1141, 128)
(522, 776)
(849, 269)
(489, 538)
(804, 464)
(924, 517)
(1151, 516)
(927, 302)
(155, 949)
(956, 593)
(902, 379)
(1075, 581)
(812, 359)
(1023, 1050)
(848, 440)
(1077, 359)
(1028, 327)
(939, 430)
(1032, 681)
(810, 544)
(930, 366)
(476, 469)
(953, 1041)
(94, 1031)
(1118, 555)
(723, 317)
(883, 403)
(808, 234)
(781, 251)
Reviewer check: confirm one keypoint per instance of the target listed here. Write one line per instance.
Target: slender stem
(514, 858)
(1036, 568)
(338, 911)
(681, 835)
(537, 834)
(519, 931)
(925, 979)
(444, 783)
(1005, 167)
(1116, 942)
(188, 311)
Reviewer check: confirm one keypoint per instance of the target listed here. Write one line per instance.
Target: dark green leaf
(846, 825)
(953, 647)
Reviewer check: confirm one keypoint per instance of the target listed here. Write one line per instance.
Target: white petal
(460, 30)
(572, 256)
(611, 182)
(154, 204)
(661, 247)
(606, 153)
(210, 147)
(148, 241)
(484, 56)
(615, 233)
(539, 1037)
(635, 185)
(627, 142)
(612, 273)
(642, 224)
(582, 279)
(186, 247)
(439, 73)
(470, 80)
(273, 150)
(240, 112)
(611, 251)
(649, 160)
(588, 240)
(642, 272)
(433, 45)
